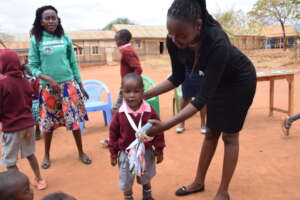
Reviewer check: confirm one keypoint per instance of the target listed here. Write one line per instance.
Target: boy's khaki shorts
(12, 143)
(126, 178)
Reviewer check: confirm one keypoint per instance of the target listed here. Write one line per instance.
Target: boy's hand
(113, 161)
(159, 158)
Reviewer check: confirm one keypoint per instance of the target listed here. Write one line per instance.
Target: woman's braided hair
(191, 11)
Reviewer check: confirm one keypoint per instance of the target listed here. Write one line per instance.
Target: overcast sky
(17, 16)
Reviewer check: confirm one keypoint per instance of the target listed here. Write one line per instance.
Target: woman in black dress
(228, 88)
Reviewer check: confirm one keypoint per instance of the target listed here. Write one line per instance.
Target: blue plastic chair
(94, 88)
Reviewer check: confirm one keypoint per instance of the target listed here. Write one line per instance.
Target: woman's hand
(54, 85)
(84, 93)
(157, 127)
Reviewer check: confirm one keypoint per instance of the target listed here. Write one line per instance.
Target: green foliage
(297, 5)
(231, 18)
(237, 22)
(118, 21)
(2, 43)
(276, 11)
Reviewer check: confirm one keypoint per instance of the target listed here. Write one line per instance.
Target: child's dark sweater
(16, 96)
(129, 61)
(121, 134)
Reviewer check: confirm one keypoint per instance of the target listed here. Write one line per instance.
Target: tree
(280, 11)
(233, 22)
(118, 21)
(297, 5)
(236, 22)
(1, 40)
(2, 43)
(4, 37)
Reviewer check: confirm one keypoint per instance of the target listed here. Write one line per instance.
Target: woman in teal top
(61, 98)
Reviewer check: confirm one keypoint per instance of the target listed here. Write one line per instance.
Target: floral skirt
(35, 111)
(61, 109)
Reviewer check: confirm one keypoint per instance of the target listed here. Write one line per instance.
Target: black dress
(229, 82)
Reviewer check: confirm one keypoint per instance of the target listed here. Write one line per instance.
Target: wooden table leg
(271, 98)
(291, 95)
(174, 106)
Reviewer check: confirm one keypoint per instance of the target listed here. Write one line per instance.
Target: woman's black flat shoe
(183, 191)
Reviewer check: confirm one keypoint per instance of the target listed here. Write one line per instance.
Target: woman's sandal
(85, 160)
(183, 191)
(46, 165)
(203, 130)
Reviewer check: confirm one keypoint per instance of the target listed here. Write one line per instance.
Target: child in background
(15, 115)
(287, 123)
(129, 63)
(129, 59)
(14, 185)
(35, 83)
(122, 134)
(58, 196)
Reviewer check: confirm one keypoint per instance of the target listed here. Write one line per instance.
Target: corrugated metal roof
(143, 31)
(92, 35)
(75, 35)
(276, 31)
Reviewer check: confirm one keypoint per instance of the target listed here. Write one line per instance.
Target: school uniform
(129, 63)
(16, 95)
(121, 135)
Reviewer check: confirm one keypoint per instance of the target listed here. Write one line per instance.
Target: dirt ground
(268, 167)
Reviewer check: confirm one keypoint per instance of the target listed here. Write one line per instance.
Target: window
(161, 48)
(78, 51)
(95, 50)
(138, 43)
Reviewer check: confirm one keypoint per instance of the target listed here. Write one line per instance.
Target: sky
(17, 16)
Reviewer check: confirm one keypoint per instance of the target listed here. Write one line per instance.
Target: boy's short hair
(9, 181)
(124, 34)
(133, 76)
(58, 196)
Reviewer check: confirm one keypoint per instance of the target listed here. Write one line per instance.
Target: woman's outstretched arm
(159, 126)
(163, 87)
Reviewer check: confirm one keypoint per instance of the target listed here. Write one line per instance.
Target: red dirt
(268, 167)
